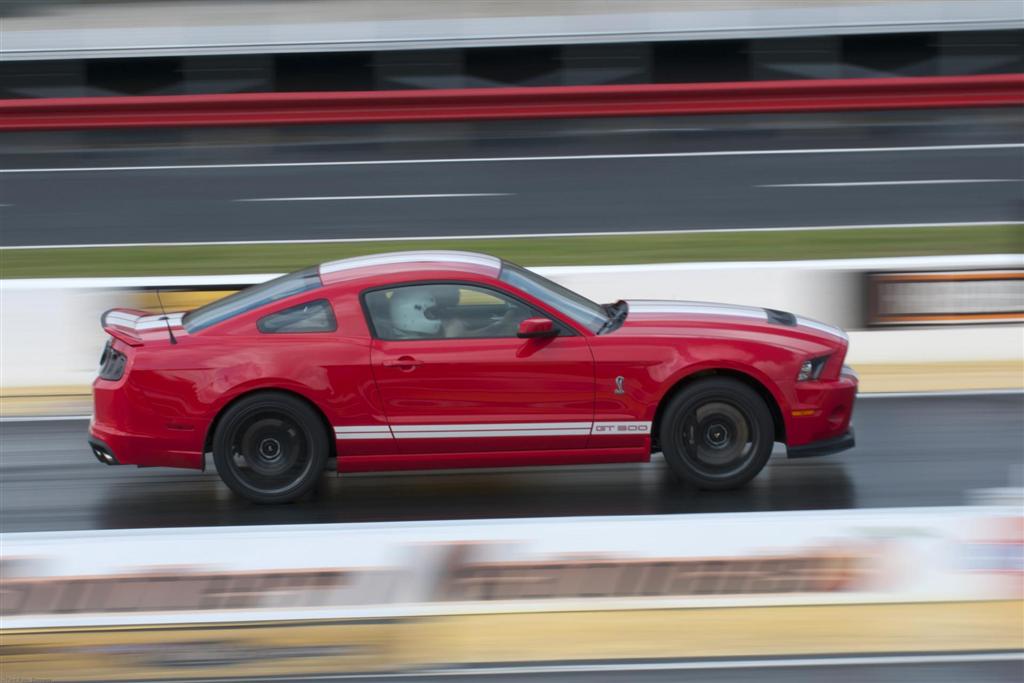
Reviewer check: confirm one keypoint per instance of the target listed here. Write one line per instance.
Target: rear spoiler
(121, 324)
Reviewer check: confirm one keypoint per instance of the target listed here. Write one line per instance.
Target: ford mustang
(443, 359)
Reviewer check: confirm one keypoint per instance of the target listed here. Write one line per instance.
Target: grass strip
(532, 251)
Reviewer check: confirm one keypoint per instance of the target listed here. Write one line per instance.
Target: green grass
(532, 251)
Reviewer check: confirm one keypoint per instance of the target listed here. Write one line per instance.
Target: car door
(454, 377)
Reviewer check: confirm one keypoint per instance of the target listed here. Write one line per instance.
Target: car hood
(653, 316)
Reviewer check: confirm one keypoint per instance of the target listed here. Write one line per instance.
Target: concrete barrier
(51, 338)
(83, 30)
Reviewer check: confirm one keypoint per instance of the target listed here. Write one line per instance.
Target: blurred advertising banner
(238, 603)
(378, 570)
(946, 297)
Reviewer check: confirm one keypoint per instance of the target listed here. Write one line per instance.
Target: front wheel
(717, 434)
(270, 448)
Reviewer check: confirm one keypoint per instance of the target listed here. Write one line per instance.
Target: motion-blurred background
(856, 161)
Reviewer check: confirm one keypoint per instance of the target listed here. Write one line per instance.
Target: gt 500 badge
(621, 428)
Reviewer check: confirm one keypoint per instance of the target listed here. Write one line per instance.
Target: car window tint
(251, 298)
(312, 316)
(581, 309)
(444, 311)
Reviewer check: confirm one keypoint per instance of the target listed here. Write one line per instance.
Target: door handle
(406, 363)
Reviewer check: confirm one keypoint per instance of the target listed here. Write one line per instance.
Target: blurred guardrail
(513, 103)
(896, 342)
(332, 599)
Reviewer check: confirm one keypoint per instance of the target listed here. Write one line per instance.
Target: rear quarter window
(312, 316)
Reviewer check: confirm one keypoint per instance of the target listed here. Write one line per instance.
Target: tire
(270, 448)
(717, 434)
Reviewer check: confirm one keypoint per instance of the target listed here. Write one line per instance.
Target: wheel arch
(328, 429)
(754, 383)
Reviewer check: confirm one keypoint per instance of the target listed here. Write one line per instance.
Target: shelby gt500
(440, 359)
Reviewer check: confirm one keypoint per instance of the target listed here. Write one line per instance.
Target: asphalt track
(513, 177)
(916, 451)
(1009, 670)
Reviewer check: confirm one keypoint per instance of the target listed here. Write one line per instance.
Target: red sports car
(440, 359)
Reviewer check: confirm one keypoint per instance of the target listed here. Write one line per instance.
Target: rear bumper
(131, 432)
(836, 444)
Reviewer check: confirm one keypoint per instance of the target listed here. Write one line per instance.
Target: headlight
(811, 369)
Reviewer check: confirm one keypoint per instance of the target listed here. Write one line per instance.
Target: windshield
(581, 309)
(250, 298)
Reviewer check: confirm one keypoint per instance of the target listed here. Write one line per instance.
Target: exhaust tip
(102, 452)
(103, 457)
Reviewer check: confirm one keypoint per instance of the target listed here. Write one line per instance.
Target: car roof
(359, 267)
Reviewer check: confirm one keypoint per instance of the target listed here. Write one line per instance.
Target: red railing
(513, 103)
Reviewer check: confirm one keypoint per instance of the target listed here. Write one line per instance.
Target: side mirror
(536, 328)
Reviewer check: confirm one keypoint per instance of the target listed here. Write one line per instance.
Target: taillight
(112, 362)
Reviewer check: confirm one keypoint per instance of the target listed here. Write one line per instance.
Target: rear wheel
(270, 448)
(717, 433)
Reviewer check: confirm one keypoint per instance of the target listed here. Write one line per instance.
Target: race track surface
(945, 672)
(512, 177)
(918, 451)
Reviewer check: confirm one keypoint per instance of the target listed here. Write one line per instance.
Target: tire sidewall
(729, 391)
(295, 409)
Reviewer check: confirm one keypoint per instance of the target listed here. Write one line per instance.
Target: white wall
(50, 333)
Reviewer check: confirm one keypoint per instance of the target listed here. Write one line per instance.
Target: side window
(444, 311)
(312, 316)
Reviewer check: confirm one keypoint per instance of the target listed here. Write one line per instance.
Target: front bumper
(836, 444)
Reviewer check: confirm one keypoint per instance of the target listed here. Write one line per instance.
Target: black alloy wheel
(270, 448)
(717, 433)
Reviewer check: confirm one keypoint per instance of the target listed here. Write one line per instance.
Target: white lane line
(480, 160)
(873, 183)
(375, 196)
(656, 130)
(524, 235)
(691, 665)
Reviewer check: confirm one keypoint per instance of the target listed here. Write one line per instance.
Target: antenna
(161, 302)
(166, 320)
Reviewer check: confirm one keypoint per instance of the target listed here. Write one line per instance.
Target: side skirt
(442, 461)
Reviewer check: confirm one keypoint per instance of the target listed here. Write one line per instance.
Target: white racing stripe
(490, 433)
(491, 430)
(492, 426)
(143, 322)
(153, 322)
(822, 327)
(362, 432)
(652, 307)
(480, 160)
(425, 256)
(702, 308)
